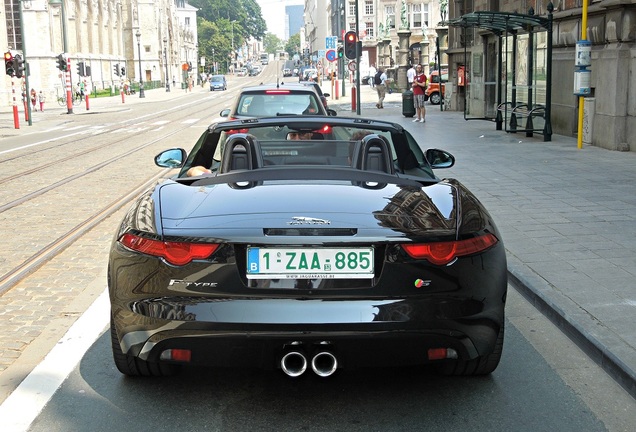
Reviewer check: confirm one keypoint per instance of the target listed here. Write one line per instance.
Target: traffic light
(350, 42)
(8, 63)
(340, 52)
(18, 63)
(61, 63)
(123, 71)
(81, 70)
(116, 69)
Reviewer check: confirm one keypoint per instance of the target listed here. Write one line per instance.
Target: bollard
(122, 97)
(87, 105)
(353, 98)
(337, 89)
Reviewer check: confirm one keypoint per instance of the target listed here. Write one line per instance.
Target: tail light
(441, 253)
(175, 253)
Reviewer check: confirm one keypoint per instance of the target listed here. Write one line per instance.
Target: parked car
(285, 99)
(434, 84)
(242, 72)
(218, 82)
(309, 75)
(287, 72)
(340, 250)
(255, 70)
(318, 89)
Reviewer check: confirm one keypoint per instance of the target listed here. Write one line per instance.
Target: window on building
(389, 12)
(416, 16)
(369, 29)
(352, 9)
(368, 7)
(425, 15)
(13, 24)
(187, 21)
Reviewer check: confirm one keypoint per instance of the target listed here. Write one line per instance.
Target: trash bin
(408, 105)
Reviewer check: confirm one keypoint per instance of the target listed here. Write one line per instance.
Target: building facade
(157, 37)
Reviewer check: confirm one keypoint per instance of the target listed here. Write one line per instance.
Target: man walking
(380, 87)
(410, 75)
(419, 87)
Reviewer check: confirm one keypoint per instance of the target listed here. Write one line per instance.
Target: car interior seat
(372, 154)
(241, 152)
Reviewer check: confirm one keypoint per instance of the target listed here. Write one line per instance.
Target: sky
(273, 13)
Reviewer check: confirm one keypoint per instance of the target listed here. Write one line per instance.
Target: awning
(500, 22)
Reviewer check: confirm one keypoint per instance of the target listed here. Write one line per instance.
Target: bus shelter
(517, 93)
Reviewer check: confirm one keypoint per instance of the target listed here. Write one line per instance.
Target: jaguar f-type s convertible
(307, 244)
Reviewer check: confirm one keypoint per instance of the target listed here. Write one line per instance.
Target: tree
(271, 43)
(293, 45)
(247, 13)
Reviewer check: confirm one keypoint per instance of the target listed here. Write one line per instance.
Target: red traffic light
(350, 42)
(8, 56)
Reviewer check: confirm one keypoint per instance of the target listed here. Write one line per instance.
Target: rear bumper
(360, 332)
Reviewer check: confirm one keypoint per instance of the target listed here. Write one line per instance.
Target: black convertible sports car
(307, 243)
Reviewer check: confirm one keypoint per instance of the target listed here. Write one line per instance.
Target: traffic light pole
(69, 89)
(26, 75)
(358, 54)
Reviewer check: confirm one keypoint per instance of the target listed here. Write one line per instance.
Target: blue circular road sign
(331, 55)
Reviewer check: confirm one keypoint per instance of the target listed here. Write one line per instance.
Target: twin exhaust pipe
(294, 363)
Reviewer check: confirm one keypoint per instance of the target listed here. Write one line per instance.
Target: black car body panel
(224, 315)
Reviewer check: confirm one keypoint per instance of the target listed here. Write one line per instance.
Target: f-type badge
(303, 220)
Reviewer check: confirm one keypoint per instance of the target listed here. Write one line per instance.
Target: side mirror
(326, 94)
(332, 112)
(439, 158)
(173, 158)
(225, 112)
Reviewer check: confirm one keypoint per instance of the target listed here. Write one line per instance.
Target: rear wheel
(435, 98)
(482, 365)
(133, 366)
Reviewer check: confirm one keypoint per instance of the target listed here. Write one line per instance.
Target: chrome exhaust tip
(293, 363)
(324, 364)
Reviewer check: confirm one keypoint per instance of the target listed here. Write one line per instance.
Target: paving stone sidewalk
(567, 217)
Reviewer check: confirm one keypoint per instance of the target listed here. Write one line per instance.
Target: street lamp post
(442, 13)
(141, 81)
(69, 90)
(213, 63)
(165, 60)
(233, 53)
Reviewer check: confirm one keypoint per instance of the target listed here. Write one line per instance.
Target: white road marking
(22, 406)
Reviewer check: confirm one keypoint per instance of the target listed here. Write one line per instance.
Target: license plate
(306, 263)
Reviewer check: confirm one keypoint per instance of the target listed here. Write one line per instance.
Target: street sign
(331, 42)
(331, 55)
(352, 66)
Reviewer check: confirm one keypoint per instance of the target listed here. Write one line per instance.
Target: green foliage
(293, 45)
(271, 43)
(215, 28)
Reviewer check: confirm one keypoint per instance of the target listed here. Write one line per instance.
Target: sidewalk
(567, 217)
(53, 112)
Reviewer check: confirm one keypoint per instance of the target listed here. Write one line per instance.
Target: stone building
(157, 37)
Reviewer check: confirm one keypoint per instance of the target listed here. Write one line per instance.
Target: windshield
(278, 103)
